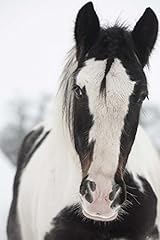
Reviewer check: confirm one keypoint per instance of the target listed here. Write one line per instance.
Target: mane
(65, 88)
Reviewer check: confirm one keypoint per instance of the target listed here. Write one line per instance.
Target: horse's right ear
(87, 28)
(145, 34)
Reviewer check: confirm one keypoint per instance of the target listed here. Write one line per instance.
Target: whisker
(134, 197)
(130, 187)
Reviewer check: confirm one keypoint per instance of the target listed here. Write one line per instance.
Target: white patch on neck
(49, 183)
(109, 113)
(144, 161)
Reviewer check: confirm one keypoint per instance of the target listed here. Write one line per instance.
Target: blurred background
(35, 36)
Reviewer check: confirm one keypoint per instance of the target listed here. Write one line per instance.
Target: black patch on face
(113, 42)
(82, 123)
(137, 224)
(132, 120)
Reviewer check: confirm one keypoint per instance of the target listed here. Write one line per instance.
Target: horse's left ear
(145, 34)
(87, 28)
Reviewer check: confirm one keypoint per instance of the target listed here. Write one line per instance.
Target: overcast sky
(35, 36)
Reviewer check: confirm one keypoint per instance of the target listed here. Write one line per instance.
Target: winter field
(35, 36)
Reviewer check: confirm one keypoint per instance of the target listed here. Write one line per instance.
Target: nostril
(86, 189)
(89, 198)
(113, 193)
(92, 186)
(119, 197)
(111, 196)
(114, 204)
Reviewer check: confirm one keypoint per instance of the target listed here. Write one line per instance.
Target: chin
(99, 217)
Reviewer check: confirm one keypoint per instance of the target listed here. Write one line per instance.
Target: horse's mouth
(98, 217)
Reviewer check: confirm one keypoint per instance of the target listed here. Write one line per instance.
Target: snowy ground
(7, 172)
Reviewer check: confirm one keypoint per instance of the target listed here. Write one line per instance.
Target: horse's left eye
(78, 92)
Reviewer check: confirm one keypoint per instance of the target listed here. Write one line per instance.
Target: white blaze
(109, 113)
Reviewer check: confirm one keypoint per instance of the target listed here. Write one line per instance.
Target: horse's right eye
(78, 92)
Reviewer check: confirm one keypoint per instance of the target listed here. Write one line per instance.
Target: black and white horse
(91, 173)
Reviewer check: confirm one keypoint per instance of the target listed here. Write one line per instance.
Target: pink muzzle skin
(96, 200)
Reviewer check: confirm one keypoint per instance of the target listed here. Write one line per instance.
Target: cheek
(129, 132)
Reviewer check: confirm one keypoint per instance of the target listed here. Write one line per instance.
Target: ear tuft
(86, 28)
(145, 34)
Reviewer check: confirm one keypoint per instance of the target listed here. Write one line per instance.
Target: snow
(7, 172)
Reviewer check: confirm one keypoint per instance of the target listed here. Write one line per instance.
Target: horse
(90, 171)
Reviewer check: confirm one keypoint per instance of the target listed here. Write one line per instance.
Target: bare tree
(22, 115)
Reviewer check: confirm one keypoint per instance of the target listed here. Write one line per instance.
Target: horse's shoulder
(30, 144)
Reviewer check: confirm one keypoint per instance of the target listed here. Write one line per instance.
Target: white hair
(66, 86)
